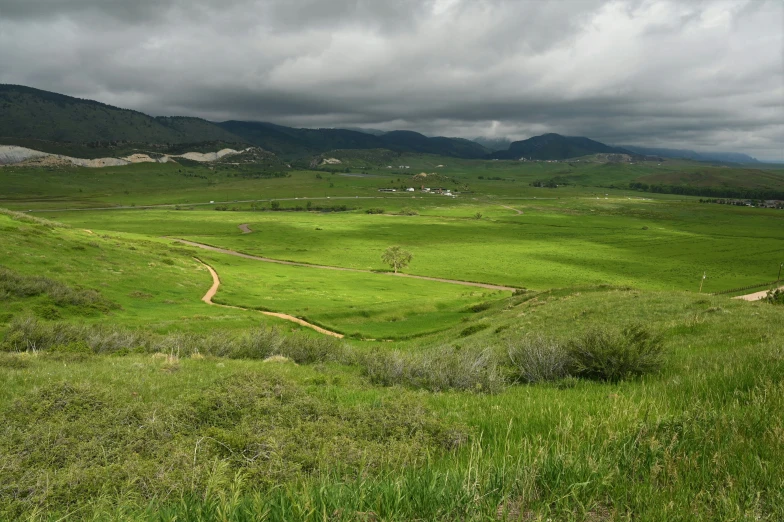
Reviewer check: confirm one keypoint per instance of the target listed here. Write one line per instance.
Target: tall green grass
(702, 443)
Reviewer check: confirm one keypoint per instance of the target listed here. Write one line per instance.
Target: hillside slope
(35, 114)
(554, 147)
(727, 157)
(291, 142)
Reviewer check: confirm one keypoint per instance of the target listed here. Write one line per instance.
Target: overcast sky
(699, 74)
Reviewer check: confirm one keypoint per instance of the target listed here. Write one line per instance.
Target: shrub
(374, 211)
(474, 328)
(538, 359)
(775, 297)
(438, 369)
(480, 307)
(613, 356)
(408, 212)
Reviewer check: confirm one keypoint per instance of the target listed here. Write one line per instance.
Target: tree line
(713, 192)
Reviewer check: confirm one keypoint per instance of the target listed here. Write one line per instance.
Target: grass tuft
(538, 359)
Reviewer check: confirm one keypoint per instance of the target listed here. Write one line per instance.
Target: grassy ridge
(153, 284)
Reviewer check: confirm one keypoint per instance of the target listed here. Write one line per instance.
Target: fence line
(750, 287)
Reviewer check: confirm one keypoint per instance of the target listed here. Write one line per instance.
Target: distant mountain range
(727, 157)
(62, 124)
(554, 146)
(33, 114)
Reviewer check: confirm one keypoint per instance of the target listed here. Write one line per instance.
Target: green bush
(481, 307)
(537, 359)
(775, 297)
(615, 355)
(474, 328)
(374, 211)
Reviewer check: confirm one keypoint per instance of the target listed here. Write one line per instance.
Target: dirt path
(519, 212)
(214, 289)
(756, 296)
(342, 269)
(245, 228)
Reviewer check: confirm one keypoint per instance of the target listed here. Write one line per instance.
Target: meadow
(126, 397)
(654, 244)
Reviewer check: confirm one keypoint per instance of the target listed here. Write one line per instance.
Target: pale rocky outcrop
(14, 155)
(11, 154)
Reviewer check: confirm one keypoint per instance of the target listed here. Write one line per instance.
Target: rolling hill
(555, 147)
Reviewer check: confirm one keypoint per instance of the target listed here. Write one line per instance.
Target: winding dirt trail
(245, 228)
(519, 212)
(342, 269)
(214, 289)
(756, 296)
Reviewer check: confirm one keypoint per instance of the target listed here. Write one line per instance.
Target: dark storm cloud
(703, 74)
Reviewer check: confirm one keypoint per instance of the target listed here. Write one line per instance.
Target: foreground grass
(159, 438)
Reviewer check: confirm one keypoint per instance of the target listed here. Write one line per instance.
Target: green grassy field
(127, 398)
(655, 244)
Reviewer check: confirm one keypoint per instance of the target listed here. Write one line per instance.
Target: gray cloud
(703, 74)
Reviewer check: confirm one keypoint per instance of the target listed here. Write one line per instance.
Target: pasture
(644, 243)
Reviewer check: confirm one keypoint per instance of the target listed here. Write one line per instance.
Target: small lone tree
(396, 258)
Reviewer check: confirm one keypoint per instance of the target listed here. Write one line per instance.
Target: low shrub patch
(30, 334)
(615, 355)
(537, 359)
(21, 286)
(775, 297)
(480, 307)
(474, 328)
(438, 369)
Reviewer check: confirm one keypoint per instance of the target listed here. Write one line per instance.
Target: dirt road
(214, 289)
(756, 296)
(326, 267)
